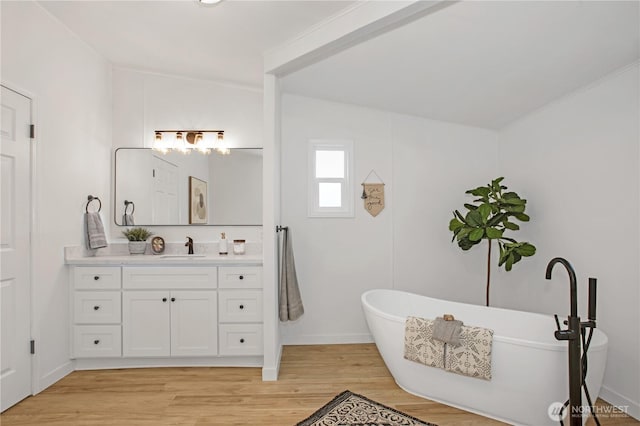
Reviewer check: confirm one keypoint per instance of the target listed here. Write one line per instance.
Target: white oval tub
(529, 366)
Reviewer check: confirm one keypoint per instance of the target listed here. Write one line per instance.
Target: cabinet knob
(241, 306)
(173, 299)
(241, 277)
(164, 299)
(96, 277)
(241, 340)
(95, 308)
(95, 342)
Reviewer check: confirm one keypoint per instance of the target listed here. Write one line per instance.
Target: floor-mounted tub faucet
(572, 334)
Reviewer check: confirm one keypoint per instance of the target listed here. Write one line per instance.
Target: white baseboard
(53, 376)
(630, 407)
(327, 339)
(270, 374)
(218, 361)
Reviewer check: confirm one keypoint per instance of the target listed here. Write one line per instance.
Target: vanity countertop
(77, 257)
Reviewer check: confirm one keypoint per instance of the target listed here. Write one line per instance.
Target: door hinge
(33, 346)
(32, 131)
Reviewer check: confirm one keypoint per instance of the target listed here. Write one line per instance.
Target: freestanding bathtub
(529, 366)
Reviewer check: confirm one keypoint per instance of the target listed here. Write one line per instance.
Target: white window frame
(313, 183)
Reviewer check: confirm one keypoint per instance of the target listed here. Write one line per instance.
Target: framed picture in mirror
(198, 208)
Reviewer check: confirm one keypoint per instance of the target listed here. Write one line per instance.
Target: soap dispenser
(222, 245)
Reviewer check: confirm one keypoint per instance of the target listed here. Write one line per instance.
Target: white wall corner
(271, 218)
(270, 373)
(53, 376)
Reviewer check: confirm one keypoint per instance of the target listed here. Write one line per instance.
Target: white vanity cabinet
(240, 310)
(159, 320)
(159, 314)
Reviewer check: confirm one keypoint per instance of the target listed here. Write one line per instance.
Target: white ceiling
(480, 63)
(221, 42)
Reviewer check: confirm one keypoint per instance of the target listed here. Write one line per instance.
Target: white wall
(426, 167)
(235, 187)
(71, 85)
(144, 102)
(434, 163)
(577, 162)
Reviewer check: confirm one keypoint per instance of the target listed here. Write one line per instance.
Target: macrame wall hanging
(373, 195)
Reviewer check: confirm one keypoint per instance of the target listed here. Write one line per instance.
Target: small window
(330, 170)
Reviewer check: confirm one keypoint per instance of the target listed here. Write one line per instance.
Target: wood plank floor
(310, 376)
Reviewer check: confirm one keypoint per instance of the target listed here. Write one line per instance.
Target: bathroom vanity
(144, 311)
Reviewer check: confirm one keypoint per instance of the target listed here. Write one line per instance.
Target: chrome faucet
(189, 244)
(572, 334)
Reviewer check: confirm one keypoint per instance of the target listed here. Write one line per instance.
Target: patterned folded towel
(419, 345)
(447, 331)
(473, 356)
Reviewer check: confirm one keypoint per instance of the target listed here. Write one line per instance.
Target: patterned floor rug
(350, 409)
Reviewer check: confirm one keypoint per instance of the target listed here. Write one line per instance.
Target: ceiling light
(209, 1)
(185, 141)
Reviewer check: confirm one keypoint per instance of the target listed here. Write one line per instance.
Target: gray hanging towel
(289, 294)
(95, 236)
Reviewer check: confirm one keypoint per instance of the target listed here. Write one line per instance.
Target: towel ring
(91, 198)
(126, 206)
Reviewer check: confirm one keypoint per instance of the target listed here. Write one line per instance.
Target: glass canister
(238, 246)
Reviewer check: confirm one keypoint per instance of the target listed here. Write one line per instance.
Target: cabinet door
(194, 323)
(145, 323)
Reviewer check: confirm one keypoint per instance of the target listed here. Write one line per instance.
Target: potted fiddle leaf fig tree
(137, 239)
(492, 213)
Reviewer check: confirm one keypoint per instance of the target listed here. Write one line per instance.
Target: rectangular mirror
(178, 189)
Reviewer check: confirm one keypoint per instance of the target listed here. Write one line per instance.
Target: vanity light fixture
(185, 141)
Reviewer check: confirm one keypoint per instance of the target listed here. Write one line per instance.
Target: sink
(181, 256)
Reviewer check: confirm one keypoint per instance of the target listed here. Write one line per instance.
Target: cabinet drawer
(91, 341)
(96, 307)
(96, 278)
(240, 305)
(240, 276)
(240, 339)
(169, 277)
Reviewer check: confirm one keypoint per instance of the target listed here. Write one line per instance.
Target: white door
(15, 211)
(165, 192)
(145, 323)
(194, 323)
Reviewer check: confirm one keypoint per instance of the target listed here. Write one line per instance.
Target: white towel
(290, 301)
(94, 231)
(127, 219)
